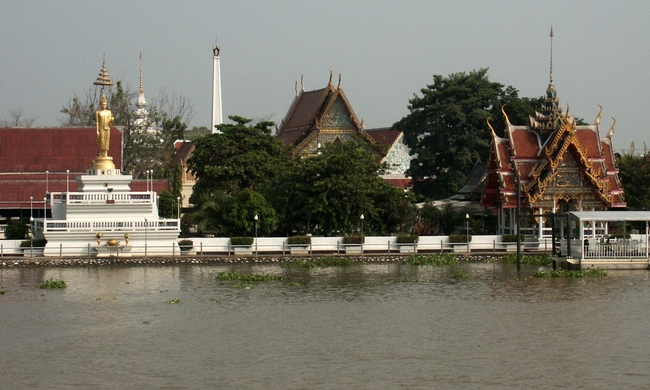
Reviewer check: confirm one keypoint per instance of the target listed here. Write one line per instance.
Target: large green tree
(634, 171)
(328, 193)
(446, 128)
(242, 156)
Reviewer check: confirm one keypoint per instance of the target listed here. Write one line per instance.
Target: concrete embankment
(149, 261)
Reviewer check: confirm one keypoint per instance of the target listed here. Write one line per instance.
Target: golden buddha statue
(104, 119)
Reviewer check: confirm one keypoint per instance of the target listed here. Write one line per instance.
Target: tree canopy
(446, 128)
(327, 194)
(242, 156)
(634, 171)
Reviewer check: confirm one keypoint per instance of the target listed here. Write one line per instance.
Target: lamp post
(362, 238)
(146, 225)
(256, 218)
(31, 208)
(44, 210)
(31, 237)
(467, 230)
(67, 182)
(47, 182)
(178, 206)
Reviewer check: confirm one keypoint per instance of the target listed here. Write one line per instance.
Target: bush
(186, 245)
(16, 229)
(299, 240)
(37, 243)
(353, 240)
(241, 241)
(407, 239)
(459, 238)
(511, 238)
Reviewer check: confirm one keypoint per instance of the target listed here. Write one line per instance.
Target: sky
(386, 51)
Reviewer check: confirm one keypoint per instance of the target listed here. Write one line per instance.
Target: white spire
(141, 113)
(216, 89)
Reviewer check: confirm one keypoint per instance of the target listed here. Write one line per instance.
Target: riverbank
(138, 261)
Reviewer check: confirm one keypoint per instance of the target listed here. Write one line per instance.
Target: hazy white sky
(386, 51)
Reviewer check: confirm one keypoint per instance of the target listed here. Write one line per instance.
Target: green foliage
(459, 238)
(407, 280)
(634, 171)
(326, 194)
(242, 156)
(167, 205)
(353, 240)
(446, 128)
(299, 240)
(52, 284)
(560, 273)
(511, 238)
(541, 260)
(328, 261)
(407, 239)
(248, 241)
(235, 276)
(35, 243)
(460, 274)
(16, 229)
(186, 245)
(174, 301)
(436, 259)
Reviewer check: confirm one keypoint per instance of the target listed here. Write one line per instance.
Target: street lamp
(256, 219)
(146, 224)
(31, 208)
(178, 206)
(31, 237)
(67, 182)
(47, 182)
(362, 238)
(467, 225)
(44, 210)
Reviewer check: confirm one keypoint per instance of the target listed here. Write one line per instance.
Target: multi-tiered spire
(141, 113)
(546, 121)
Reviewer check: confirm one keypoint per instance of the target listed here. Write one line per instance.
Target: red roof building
(562, 167)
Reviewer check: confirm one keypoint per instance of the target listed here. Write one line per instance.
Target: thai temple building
(325, 115)
(561, 167)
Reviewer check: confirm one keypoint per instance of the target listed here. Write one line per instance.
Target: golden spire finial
(597, 121)
(505, 115)
(610, 134)
(103, 79)
(141, 89)
(302, 82)
(551, 35)
(330, 83)
(494, 134)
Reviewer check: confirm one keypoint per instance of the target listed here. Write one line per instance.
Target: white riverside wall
(319, 245)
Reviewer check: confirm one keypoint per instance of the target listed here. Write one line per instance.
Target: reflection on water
(338, 327)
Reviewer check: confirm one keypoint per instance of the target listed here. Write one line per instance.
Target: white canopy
(610, 216)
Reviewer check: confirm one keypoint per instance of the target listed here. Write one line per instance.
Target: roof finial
(330, 83)
(141, 89)
(296, 88)
(302, 82)
(610, 134)
(597, 121)
(339, 86)
(551, 35)
(103, 79)
(216, 50)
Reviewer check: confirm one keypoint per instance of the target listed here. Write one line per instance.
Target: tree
(446, 128)
(16, 229)
(634, 172)
(17, 119)
(328, 193)
(242, 156)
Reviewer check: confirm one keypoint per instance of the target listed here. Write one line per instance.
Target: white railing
(594, 249)
(93, 198)
(81, 226)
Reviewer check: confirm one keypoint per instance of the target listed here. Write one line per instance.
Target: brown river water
(354, 327)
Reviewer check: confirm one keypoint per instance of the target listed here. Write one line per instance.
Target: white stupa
(103, 217)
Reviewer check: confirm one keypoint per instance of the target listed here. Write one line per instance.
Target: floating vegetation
(242, 286)
(407, 280)
(51, 284)
(214, 299)
(2, 292)
(560, 273)
(436, 259)
(460, 274)
(328, 261)
(293, 284)
(145, 322)
(235, 276)
(174, 301)
(543, 260)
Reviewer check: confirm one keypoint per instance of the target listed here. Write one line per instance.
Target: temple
(561, 166)
(325, 116)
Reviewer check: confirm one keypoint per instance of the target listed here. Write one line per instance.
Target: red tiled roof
(526, 143)
(385, 136)
(53, 149)
(302, 114)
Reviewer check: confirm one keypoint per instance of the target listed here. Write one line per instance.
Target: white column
(216, 89)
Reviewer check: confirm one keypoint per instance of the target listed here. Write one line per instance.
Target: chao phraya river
(354, 327)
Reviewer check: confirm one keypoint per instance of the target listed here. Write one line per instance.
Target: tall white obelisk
(216, 89)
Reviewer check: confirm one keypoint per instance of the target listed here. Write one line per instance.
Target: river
(354, 327)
